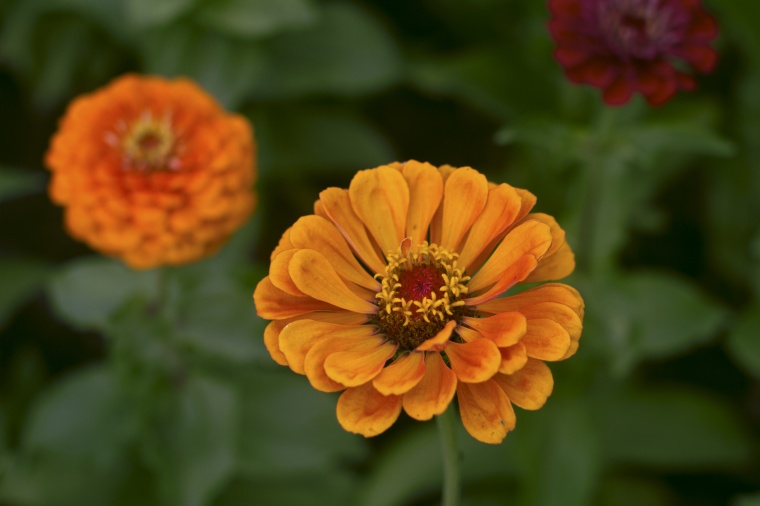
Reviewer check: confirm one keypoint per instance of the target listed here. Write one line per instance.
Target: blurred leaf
(633, 491)
(671, 428)
(291, 428)
(314, 141)
(17, 183)
(84, 416)
(225, 67)
(738, 16)
(21, 278)
(147, 13)
(256, 18)
(108, 14)
(315, 488)
(747, 500)
(87, 292)
(744, 340)
(347, 51)
(194, 453)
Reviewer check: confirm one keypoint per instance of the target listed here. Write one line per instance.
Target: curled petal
(474, 362)
(360, 364)
(504, 329)
(297, 338)
(279, 275)
(546, 340)
(557, 266)
(466, 193)
(550, 292)
(380, 198)
(439, 341)
(272, 341)
(402, 375)
(432, 395)
(516, 272)
(274, 304)
(486, 411)
(513, 358)
(283, 245)
(363, 410)
(425, 193)
(312, 274)
(530, 386)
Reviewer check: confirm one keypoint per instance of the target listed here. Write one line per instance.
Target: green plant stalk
(446, 429)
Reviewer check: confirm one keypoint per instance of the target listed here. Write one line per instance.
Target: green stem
(446, 427)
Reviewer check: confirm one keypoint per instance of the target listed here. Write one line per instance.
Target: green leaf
(225, 67)
(346, 52)
(291, 428)
(319, 140)
(257, 18)
(17, 183)
(316, 488)
(670, 428)
(747, 500)
(84, 417)
(194, 451)
(633, 491)
(147, 13)
(744, 340)
(87, 292)
(21, 278)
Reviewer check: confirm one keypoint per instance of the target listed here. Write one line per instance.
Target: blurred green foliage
(154, 388)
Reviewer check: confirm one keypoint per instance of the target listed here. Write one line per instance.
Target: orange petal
(312, 274)
(360, 364)
(500, 211)
(380, 198)
(517, 272)
(439, 341)
(337, 205)
(466, 193)
(319, 234)
(283, 245)
(529, 238)
(557, 266)
(363, 410)
(550, 292)
(486, 411)
(434, 392)
(527, 201)
(530, 386)
(467, 334)
(546, 340)
(297, 338)
(279, 275)
(274, 304)
(319, 210)
(402, 375)
(272, 341)
(314, 362)
(513, 358)
(560, 313)
(474, 362)
(425, 193)
(558, 235)
(504, 329)
(436, 226)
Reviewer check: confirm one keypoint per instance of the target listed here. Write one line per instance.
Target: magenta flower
(629, 46)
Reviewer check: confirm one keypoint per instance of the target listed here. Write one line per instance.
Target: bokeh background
(117, 388)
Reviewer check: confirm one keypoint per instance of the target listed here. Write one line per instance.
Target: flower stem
(446, 424)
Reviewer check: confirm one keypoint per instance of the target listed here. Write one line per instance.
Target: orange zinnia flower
(152, 171)
(413, 327)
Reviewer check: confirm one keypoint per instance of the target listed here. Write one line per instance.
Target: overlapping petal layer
(394, 292)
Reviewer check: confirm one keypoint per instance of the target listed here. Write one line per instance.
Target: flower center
(421, 291)
(149, 144)
(643, 29)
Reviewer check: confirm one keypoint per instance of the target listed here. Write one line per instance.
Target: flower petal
(425, 193)
(432, 395)
(557, 266)
(546, 340)
(337, 204)
(402, 375)
(360, 364)
(319, 234)
(500, 211)
(297, 338)
(517, 272)
(272, 341)
(274, 304)
(363, 410)
(486, 411)
(466, 193)
(474, 362)
(550, 292)
(283, 245)
(380, 198)
(530, 386)
(439, 341)
(504, 329)
(436, 226)
(513, 358)
(316, 357)
(313, 274)
(279, 275)
(529, 238)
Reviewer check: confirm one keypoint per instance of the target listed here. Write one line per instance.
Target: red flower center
(419, 282)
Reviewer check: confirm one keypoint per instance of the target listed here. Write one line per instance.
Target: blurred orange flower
(152, 171)
(413, 327)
